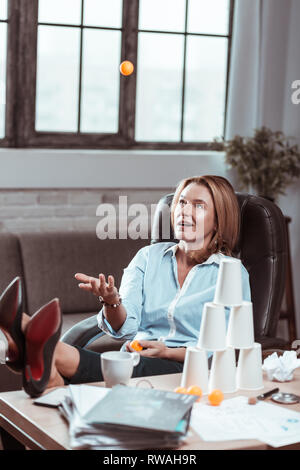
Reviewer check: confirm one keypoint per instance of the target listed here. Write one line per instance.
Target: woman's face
(194, 216)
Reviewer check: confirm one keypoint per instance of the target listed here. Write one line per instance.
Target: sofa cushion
(10, 261)
(51, 259)
(10, 267)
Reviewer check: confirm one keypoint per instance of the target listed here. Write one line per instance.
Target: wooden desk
(43, 428)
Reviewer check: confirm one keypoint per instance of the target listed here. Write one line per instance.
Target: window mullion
(11, 73)
(25, 69)
(128, 84)
(184, 71)
(80, 68)
(228, 62)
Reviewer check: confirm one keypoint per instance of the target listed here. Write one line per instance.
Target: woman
(160, 301)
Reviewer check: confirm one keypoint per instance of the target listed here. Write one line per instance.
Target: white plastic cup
(240, 331)
(249, 368)
(229, 291)
(212, 335)
(223, 371)
(195, 369)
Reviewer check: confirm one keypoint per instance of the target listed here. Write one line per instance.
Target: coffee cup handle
(135, 358)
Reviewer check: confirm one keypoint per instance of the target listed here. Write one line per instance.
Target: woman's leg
(64, 365)
(89, 367)
(155, 366)
(72, 364)
(78, 365)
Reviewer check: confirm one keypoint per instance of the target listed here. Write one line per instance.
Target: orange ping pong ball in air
(126, 67)
(136, 345)
(215, 397)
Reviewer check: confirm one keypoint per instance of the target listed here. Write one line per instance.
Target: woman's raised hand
(99, 286)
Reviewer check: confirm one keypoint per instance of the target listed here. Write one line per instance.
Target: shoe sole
(41, 336)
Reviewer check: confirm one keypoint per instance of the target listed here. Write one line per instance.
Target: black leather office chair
(262, 248)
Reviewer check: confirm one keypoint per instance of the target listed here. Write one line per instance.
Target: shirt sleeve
(132, 294)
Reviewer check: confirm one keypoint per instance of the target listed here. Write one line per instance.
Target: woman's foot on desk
(31, 341)
(42, 333)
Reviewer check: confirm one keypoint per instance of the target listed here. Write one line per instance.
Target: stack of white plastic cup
(213, 337)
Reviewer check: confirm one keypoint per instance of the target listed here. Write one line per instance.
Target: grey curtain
(265, 62)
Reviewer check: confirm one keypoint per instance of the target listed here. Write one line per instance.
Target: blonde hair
(227, 214)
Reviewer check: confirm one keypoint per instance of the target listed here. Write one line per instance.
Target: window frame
(21, 87)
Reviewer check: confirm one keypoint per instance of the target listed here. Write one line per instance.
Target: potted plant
(266, 162)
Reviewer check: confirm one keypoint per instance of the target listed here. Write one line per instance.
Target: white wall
(48, 190)
(103, 169)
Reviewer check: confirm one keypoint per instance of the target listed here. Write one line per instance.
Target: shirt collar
(214, 258)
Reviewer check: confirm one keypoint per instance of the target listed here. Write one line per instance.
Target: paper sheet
(235, 419)
(86, 396)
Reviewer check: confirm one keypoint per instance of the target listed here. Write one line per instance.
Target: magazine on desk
(126, 418)
(146, 409)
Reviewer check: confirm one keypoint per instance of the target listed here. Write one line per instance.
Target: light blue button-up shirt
(157, 308)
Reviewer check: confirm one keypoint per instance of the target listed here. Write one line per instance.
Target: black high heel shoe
(11, 310)
(41, 336)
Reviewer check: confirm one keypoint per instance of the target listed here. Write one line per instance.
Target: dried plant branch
(266, 162)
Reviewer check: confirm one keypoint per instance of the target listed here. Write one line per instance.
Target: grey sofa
(47, 262)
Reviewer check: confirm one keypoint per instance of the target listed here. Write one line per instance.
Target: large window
(65, 89)
(182, 59)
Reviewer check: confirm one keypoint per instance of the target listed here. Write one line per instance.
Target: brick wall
(64, 209)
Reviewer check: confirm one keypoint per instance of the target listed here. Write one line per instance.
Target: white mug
(117, 366)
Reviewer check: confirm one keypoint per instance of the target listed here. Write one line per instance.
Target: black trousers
(89, 369)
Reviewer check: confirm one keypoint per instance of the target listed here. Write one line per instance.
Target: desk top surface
(46, 427)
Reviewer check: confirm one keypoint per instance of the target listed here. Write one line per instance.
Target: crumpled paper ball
(281, 368)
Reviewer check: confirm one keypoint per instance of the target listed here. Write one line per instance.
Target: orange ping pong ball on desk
(195, 390)
(215, 397)
(126, 67)
(136, 345)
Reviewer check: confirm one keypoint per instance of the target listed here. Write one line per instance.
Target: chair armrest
(270, 345)
(268, 342)
(83, 332)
